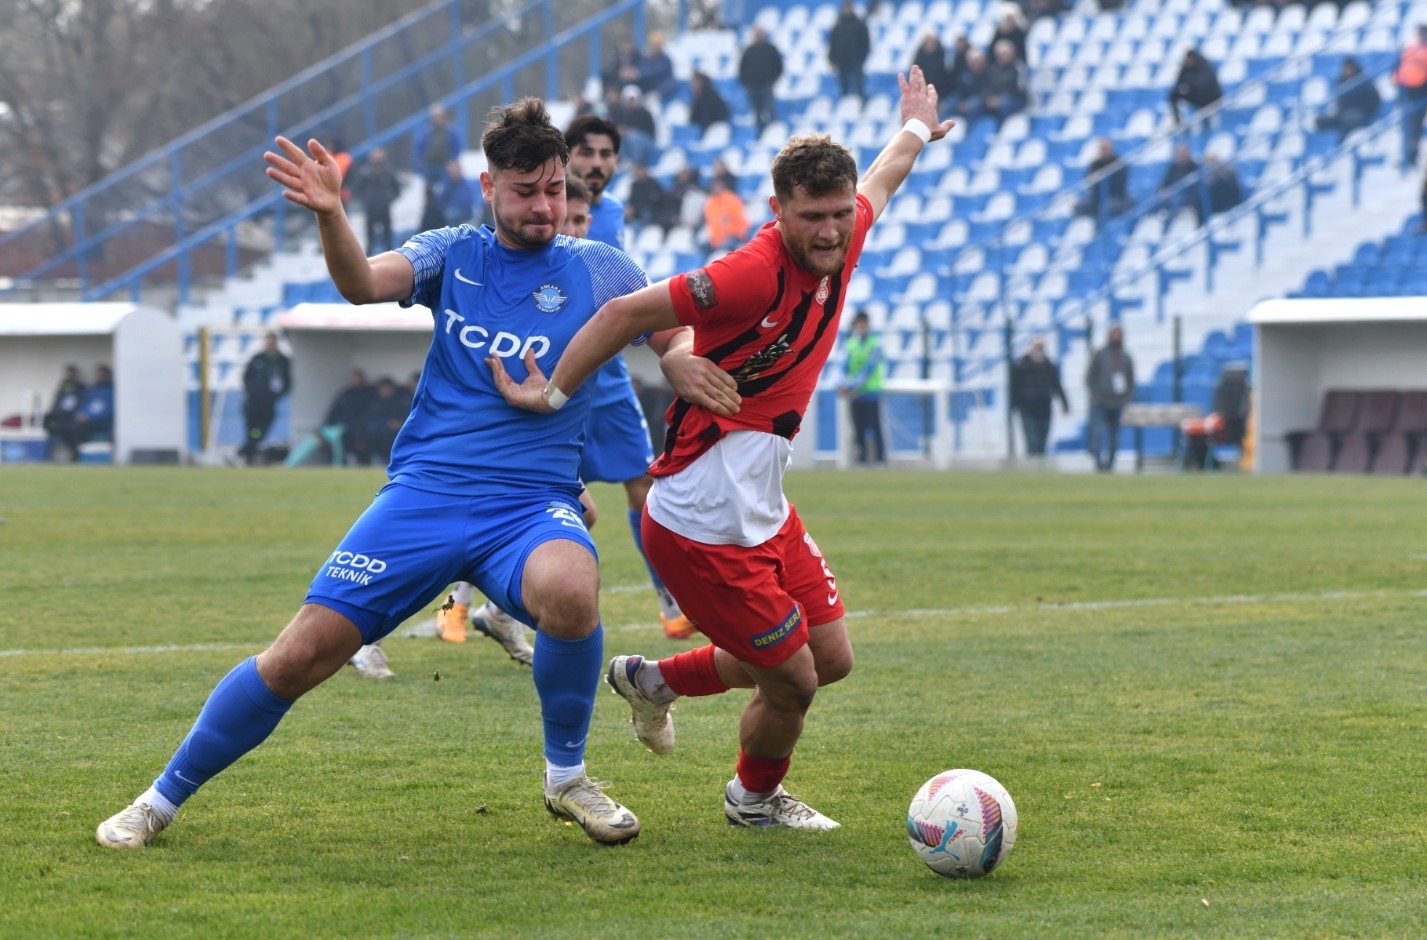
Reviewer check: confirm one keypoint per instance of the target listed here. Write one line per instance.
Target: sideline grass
(1229, 745)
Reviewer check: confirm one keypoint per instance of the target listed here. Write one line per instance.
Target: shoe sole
(566, 817)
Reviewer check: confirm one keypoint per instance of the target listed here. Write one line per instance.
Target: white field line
(427, 628)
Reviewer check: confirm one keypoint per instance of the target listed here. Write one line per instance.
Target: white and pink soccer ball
(962, 823)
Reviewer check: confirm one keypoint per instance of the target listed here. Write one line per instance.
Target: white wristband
(554, 396)
(917, 127)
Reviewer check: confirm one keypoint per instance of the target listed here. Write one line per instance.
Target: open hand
(700, 381)
(919, 100)
(529, 394)
(313, 181)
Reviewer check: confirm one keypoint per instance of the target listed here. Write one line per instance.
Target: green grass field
(1205, 693)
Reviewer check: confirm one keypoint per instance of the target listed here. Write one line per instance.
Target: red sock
(692, 672)
(761, 774)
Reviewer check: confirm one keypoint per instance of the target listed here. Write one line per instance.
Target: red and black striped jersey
(769, 323)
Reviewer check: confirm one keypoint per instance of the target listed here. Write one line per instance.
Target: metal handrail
(356, 107)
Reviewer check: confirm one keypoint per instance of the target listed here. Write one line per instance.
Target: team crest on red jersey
(823, 290)
(701, 288)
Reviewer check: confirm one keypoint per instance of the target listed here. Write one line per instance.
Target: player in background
(717, 523)
(456, 507)
(616, 435)
(505, 630)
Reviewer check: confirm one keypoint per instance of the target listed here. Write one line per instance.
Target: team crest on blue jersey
(549, 299)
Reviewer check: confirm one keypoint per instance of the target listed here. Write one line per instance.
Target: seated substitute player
(616, 435)
(501, 627)
(456, 507)
(717, 524)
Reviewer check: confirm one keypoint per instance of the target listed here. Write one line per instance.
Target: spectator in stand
(647, 203)
(759, 69)
(1411, 79)
(455, 195)
(341, 429)
(1197, 85)
(719, 170)
(376, 188)
(960, 48)
(1035, 385)
(1109, 179)
(1011, 28)
(656, 70)
(706, 105)
(636, 127)
(725, 218)
(848, 46)
(1110, 379)
(1035, 9)
(968, 97)
(60, 419)
(1356, 102)
(687, 197)
(435, 146)
(267, 378)
(1179, 189)
(1222, 191)
(582, 105)
(386, 412)
(931, 59)
(1005, 82)
(625, 68)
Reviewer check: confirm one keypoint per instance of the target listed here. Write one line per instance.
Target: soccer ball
(962, 823)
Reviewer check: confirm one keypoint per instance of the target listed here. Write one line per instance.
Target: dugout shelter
(142, 346)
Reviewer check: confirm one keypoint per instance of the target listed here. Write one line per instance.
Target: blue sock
(237, 717)
(567, 675)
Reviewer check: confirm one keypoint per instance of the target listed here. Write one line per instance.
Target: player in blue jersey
(457, 507)
(617, 446)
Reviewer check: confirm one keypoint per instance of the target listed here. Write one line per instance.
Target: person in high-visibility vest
(1411, 79)
(862, 385)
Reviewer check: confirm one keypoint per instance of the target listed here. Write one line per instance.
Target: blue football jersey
(489, 300)
(611, 381)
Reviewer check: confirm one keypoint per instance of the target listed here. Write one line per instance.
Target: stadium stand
(982, 251)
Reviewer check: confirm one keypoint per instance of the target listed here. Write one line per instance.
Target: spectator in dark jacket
(456, 197)
(848, 46)
(706, 105)
(624, 69)
(435, 146)
(647, 203)
(1005, 82)
(1178, 188)
(1356, 102)
(931, 58)
(1109, 180)
(758, 71)
(267, 378)
(1035, 384)
(377, 187)
(386, 412)
(636, 127)
(968, 92)
(1196, 85)
(960, 46)
(656, 70)
(60, 419)
(1222, 191)
(1010, 29)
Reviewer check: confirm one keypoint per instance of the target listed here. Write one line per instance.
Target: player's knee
(569, 611)
(835, 667)
(791, 691)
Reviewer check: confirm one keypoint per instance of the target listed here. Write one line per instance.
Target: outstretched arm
(313, 179)
(892, 165)
(612, 328)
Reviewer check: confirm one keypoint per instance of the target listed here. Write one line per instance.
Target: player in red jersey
(748, 336)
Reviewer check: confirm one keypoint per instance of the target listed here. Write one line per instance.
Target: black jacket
(267, 377)
(762, 64)
(849, 42)
(1034, 385)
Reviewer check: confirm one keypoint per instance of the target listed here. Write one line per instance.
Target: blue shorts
(410, 544)
(616, 442)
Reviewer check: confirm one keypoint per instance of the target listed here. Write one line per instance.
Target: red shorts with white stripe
(756, 603)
